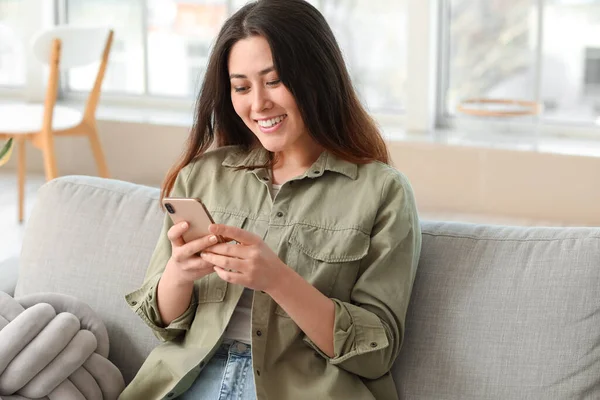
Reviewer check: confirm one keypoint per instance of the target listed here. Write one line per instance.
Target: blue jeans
(227, 376)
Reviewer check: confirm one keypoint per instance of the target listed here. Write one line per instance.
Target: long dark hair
(309, 63)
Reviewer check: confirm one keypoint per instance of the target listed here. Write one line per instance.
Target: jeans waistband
(230, 346)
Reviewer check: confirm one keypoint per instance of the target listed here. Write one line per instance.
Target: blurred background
(425, 69)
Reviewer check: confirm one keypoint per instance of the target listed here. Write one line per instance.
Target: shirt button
(279, 214)
(258, 333)
(316, 172)
(133, 303)
(373, 344)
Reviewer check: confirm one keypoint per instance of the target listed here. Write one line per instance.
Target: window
(535, 50)
(592, 72)
(180, 35)
(126, 72)
(374, 46)
(12, 55)
(161, 47)
(571, 38)
(491, 50)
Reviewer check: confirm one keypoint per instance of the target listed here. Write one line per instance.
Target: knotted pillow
(55, 347)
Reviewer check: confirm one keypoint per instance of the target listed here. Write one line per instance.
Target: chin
(274, 145)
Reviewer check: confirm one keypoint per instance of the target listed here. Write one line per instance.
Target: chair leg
(21, 161)
(49, 157)
(98, 153)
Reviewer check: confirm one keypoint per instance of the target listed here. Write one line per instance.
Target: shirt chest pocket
(328, 259)
(211, 288)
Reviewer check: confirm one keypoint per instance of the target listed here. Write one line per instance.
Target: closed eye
(274, 83)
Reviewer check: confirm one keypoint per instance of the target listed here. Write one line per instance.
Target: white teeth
(268, 123)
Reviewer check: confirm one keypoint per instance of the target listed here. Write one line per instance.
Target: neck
(294, 162)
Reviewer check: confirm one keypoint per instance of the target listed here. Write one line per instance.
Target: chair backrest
(65, 47)
(80, 46)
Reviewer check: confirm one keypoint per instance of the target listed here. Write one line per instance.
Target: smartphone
(194, 213)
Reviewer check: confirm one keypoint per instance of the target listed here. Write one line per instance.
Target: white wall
(564, 189)
(464, 180)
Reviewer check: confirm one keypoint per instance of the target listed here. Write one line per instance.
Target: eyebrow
(263, 72)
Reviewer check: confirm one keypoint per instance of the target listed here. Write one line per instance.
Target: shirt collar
(239, 157)
(325, 162)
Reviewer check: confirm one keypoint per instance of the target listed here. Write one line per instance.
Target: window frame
(146, 99)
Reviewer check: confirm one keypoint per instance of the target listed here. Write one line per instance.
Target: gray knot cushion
(53, 346)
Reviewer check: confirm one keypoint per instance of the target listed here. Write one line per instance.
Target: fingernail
(184, 225)
(213, 239)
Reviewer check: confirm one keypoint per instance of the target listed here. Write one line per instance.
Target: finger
(197, 245)
(229, 250)
(231, 277)
(223, 261)
(197, 264)
(234, 233)
(176, 231)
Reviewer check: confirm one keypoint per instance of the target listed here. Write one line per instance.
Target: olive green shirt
(350, 230)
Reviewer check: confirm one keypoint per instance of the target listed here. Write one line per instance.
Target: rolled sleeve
(357, 332)
(368, 330)
(144, 303)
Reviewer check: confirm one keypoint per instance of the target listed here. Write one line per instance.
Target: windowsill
(515, 141)
(140, 115)
(574, 146)
(122, 113)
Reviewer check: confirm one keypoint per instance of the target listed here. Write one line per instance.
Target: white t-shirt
(240, 325)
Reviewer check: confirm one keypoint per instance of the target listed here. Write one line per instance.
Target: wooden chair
(62, 47)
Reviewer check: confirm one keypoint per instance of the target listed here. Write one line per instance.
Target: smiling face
(261, 100)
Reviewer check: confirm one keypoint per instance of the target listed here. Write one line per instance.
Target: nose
(260, 100)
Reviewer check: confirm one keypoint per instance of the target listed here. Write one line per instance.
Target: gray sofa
(496, 312)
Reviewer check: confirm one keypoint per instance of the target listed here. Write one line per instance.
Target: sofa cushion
(92, 238)
(8, 275)
(503, 313)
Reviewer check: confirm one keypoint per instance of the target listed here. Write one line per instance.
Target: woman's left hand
(254, 264)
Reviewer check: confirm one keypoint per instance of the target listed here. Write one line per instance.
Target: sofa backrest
(92, 238)
(503, 313)
(496, 312)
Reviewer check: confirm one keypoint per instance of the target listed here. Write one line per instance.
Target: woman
(310, 302)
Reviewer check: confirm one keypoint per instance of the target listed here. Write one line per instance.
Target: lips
(270, 125)
(270, 122)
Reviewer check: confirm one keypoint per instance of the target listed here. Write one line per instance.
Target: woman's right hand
(185, 265)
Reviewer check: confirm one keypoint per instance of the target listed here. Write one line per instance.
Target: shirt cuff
(356, 332)
(144, 303)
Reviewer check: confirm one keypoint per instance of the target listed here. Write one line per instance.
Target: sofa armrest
(9, 272)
